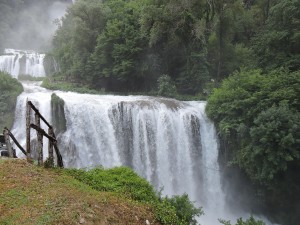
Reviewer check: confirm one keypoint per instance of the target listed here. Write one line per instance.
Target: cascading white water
(22, 62)
(159, 138)
(170, 143)
(41, 98)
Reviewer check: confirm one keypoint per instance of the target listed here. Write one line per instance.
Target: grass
(34, 195)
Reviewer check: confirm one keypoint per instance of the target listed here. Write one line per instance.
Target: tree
(76, 37)
(273, 144)
(120, 48)
(235, 23)
(277, 45)
(258, 116)
(176, 31)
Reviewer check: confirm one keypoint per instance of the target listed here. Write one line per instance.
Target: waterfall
(159, 138)
(22, 62)
(170, 143)
(41, 98)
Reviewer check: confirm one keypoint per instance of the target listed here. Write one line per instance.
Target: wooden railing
(40, 134)
(11, 151)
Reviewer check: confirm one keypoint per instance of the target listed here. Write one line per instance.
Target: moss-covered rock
(58, 114)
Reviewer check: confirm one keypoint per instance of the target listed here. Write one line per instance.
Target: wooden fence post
(39, 140)
(60, 162)
(40, 134)
(28, 151)
(8, 144)
(16, 142)
(50, 148)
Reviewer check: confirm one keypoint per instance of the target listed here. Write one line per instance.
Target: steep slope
(34, 195)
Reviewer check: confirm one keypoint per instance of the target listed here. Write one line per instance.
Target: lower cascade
(170, 143)
(22, 62)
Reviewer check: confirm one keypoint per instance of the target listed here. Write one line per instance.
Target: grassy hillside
(34, 195)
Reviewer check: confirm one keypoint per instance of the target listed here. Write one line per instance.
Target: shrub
(10, 88)
(250, 221)
(166, 86)
(122, 180)
(185, 209)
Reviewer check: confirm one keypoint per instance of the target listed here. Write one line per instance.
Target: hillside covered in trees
(122, 45)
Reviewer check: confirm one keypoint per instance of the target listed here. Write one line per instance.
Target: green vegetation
(166, 87)
(122, 180)
(256, 108)
(278, 44)
(23, 77)
(185, 210)
(35, 195)
(50, 64)
(128, 45)
(32, 195)
(10, 88)
(250, 221)
(259, 120)
(67, 86)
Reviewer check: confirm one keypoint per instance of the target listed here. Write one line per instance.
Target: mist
(34, 25)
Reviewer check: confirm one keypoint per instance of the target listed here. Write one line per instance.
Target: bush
(185, 210)
(10, 88)
(250, 221)
(166, 86)
(122, 180)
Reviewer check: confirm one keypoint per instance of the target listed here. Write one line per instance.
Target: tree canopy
(258, 114)
(127, 45)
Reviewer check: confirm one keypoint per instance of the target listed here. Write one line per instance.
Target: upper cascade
(22, 62)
